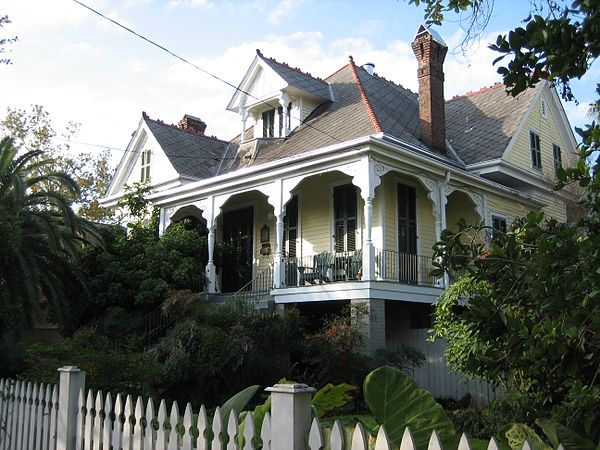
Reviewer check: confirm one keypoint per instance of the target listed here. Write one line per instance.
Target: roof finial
(258, 52)
(350, 59)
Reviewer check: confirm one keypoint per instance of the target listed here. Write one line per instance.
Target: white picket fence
(38, 417)
(28, 415)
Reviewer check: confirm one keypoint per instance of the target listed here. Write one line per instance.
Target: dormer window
(145, 166)
(268, 119)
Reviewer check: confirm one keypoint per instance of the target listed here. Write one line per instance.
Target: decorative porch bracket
(366, 175)
(437, 192)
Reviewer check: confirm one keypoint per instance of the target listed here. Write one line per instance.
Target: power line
(181, 58)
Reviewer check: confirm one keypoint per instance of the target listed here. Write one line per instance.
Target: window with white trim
(498, 225)
(268, 120)
(145, 166)
(557, 157)
(536, 151)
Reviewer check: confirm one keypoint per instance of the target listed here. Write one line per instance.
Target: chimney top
(191, 123)
(369, 67)
(430, 50)
(424, 29)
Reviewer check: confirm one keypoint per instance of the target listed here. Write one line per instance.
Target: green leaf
(330, 397)
(518, 433)
(560, 434)
(397, 403)
(238, 402)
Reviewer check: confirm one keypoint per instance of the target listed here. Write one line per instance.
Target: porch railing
(328, 267)
(256, 289)
(324, 267)
(403, 268)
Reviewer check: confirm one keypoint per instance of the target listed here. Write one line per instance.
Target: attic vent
(543, 108)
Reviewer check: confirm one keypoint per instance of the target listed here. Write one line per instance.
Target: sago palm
(39, 232)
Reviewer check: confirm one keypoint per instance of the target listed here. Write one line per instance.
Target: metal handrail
(257, 288)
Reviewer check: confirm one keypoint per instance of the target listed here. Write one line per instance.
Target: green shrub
(106, 369)
(223, 350)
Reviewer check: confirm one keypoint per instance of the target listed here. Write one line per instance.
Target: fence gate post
(290, 416)
(72, 380)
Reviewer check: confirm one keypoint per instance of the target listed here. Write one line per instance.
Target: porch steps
(263, 303)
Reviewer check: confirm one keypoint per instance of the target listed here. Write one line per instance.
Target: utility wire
(175, 55)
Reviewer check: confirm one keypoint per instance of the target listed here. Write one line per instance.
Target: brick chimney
(192, 123)
(430, 50)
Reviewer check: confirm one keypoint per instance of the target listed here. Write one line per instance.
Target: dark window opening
(536, 152)
(557, 157)
(498, 226)
(268, 118)
(344, 205)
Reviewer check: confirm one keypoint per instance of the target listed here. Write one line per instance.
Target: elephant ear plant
(396, 403)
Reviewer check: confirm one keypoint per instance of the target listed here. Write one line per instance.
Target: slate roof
(350, 116)
(479, 125)
(192, 155)
(296, 78)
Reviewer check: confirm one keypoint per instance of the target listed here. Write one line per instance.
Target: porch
(336, 267)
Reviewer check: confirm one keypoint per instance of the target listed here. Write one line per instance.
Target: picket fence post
(290, 415)
(72, 381)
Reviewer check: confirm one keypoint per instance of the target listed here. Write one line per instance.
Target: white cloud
(190, 4)
(133, 65)
(283, 9)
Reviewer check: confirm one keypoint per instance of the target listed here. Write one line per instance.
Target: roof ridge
(479, 91)
(287, 66)
(393, 83)
(363, 96)
(175, 127)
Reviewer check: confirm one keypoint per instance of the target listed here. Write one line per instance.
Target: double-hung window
(498, 225)
(536, 152)
(268, 120)
(145, 166)
(557, 157)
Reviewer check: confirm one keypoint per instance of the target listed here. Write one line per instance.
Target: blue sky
(83, 68)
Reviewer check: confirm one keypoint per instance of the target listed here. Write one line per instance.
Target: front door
(407, 234)
(237, 251)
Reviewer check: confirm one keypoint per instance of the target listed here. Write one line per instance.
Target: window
(498, 225)
(536, 153)
(290, 227)
(557, 157)
(145, 166)
(344, 206)
(268, 118)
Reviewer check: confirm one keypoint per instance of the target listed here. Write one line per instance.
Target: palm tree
(39, 233)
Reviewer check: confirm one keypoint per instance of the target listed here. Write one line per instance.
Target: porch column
(210, 265)
(208, 211)
(440, 218)
(278, 265)
(276, 196)
(284, 101)
(244, 115)
(368, 269)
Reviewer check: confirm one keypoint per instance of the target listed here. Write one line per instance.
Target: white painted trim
(382, 290)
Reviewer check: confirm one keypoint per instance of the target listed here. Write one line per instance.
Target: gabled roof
(295, 78)
(191, 154)
(480, 125)
(292, 79)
